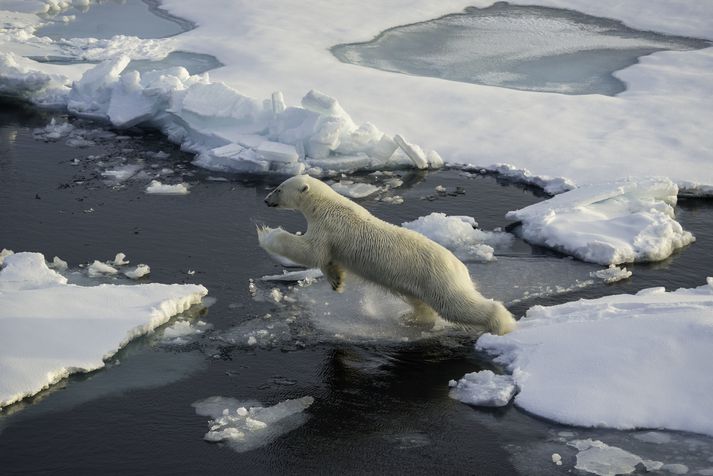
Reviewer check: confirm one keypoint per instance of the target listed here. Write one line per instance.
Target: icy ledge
(609, 223)
(622, 361)
(229, 132)
(50, 329)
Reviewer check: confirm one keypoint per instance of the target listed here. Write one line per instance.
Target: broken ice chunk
(483, 388)
(277, 152)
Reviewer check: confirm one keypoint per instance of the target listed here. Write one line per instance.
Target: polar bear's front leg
(335, 276)
(293, 247)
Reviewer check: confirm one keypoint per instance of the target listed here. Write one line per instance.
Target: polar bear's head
(293, 192)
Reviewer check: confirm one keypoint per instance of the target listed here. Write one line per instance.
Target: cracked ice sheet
(662, 119)
(50, 329)
(622, 361)
(608, 223)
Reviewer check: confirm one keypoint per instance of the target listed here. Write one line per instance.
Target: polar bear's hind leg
(335, 276)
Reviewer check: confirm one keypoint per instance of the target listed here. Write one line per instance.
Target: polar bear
(343, 236)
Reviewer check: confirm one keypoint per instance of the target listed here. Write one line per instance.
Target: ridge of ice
(229, 131)
(50, 329)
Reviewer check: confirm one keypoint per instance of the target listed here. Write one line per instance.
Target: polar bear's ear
(304, 188)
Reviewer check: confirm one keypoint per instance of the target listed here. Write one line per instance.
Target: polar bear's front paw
(335, 276)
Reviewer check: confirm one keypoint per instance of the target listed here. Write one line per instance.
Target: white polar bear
(343, 236)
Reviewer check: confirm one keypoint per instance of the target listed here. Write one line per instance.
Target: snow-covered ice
(483, 388)
(246, 425)
(158, 188)
(460, 235)
(622, 361)
(50, 329)
(609, 223)
(661, 119)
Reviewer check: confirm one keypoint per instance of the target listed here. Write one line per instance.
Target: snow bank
(245, 426)
(50, 329)
(460, 235)
(622, 361)
(608, 223)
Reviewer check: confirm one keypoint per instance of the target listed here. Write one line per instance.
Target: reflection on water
(519, 47)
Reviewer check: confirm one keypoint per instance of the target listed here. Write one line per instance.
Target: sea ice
(50, 329)
(158, 188)
(609, 223)
(483, 388)
(460, 235)
(246, 425)
(622, 361)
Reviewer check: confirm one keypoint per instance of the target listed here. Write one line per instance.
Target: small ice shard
(612, 274)
(354, 190)
(97, 268)
(294, 276)
(119, 259)
(122, 173)
(158, 188)
(58, 264)
(4, 254)
(139, 272)
(557, 459)
(483, 388)
(414, 152)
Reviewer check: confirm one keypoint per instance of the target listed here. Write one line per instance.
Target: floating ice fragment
(57, 264)
(483, 388)
(4, 254)
(139, 272)
(557, 459)
(458, 234)
(158, 188)
(354, 190)
(245, 429)
(97, 268)
(611, 274)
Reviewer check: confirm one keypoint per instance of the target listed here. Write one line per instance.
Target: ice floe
(612, 274)
(460, 235)
(50, 329)
(622, 361)
(599, 458)
(246, 425)
(609, 223)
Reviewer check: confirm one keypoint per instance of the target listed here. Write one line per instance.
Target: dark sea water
(380, 407)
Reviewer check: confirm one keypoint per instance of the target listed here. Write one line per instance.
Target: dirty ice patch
(461, 235)
(609, 223)
(50, 329)
(246, 425)
(622, 361)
